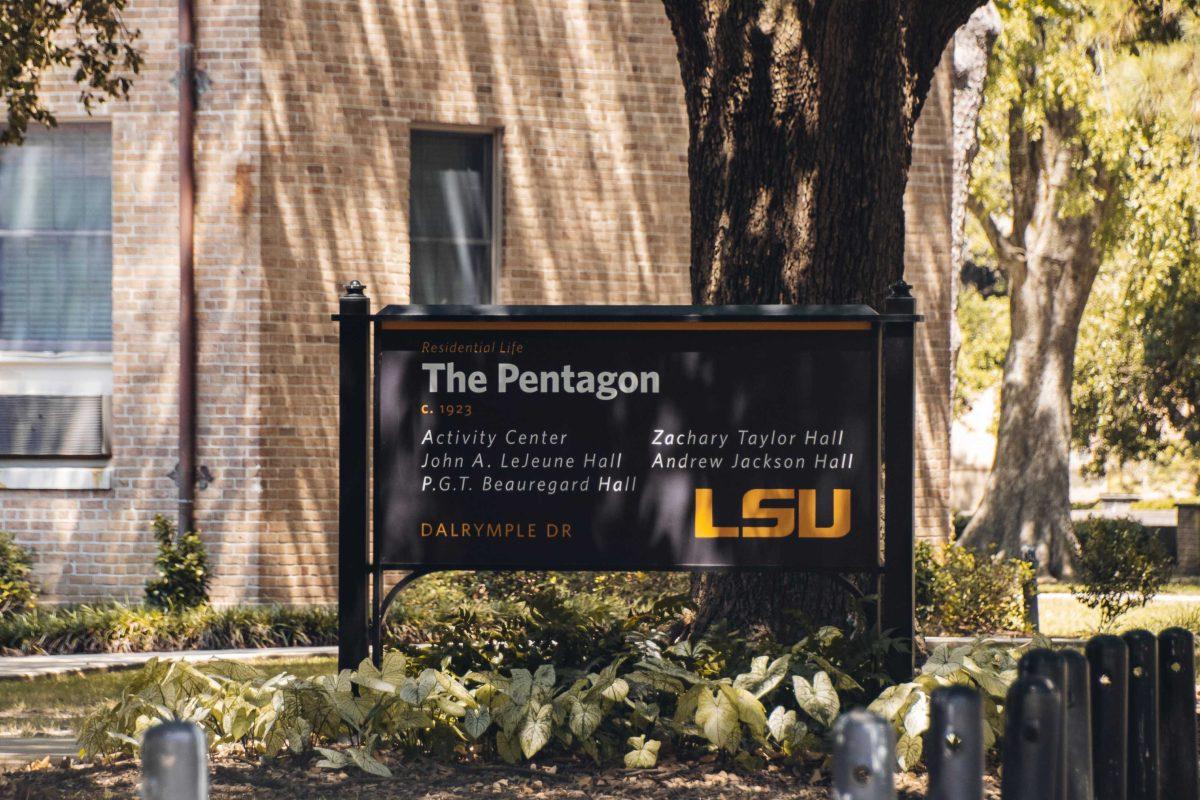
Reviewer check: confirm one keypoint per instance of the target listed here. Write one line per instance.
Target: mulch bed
(235, 779)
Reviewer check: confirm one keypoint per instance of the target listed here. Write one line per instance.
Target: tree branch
(1007, 251)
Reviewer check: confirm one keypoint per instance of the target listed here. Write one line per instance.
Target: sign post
(354, 404)
(897, 601)
(624, 438)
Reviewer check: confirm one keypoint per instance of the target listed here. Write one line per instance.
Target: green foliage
(627, 707)
(962, 591)
(182, 564)
(16, 586)
(1115, 83)
(119, 629)
(1120, 565)
(527, 619)
(88, 37)
(987, 668)
(984, 324)
(476, 622)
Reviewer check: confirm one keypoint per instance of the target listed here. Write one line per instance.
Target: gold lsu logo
(798, 515)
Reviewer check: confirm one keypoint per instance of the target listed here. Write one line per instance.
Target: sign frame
(361, 614)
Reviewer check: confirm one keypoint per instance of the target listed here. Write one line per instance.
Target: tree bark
(1051, 260)
(973, 44)
(801, 116)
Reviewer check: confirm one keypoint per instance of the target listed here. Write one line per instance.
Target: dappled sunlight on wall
(588, 107)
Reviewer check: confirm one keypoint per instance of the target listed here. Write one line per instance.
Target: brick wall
(302, 151)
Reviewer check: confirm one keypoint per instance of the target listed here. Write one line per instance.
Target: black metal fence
(1117, 722)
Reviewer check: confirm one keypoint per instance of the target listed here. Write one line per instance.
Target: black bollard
(954, 745)
(1177, 714)
(1108, 664)
(864, 757)
(1032, 740)
(1143, 716)
(1050, 664)
(1079, 727)
(174, 762)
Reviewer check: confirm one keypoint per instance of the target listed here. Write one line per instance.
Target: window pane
(450, 217)
(56, 241)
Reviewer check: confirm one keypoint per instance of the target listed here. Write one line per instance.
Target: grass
(1069, 617)
(53, 705)
(1184, 585)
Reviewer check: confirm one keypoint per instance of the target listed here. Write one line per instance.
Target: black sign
(521, 438)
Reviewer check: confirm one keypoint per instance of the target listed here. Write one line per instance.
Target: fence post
(864, 757)
(1177, 713)
(174, 762)
(1049, 664)
(1143, 715)
(1079, 726)
(954, 745)
(1108, 663)
(1032, 738)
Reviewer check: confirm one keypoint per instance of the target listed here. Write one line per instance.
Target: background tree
(1137, 383)
(87, 37)
(800, 116)
(1066, 136)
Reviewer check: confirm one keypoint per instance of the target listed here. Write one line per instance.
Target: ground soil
(234, 779)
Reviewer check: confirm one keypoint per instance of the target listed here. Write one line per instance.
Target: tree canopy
(1134, 75)
(88, 38)
(1086, 151)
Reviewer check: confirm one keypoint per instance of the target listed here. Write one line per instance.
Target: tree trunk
(1051, 260)
(801, 115)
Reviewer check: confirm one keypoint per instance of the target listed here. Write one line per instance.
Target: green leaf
(644, 753)
(394, 664)
(908, 751)
(717, 717)
(750, 711)
(535, 730)
(334, 759)
(917, 718)
(763, 677)
(520, 686)
(476, 722)
(544, 677)
(367, 763)
(781, 724)
(892, 701)
(616, 691)
(818, 699)
(584, 718)
(373, 683)
(655, 680)
(508, 746)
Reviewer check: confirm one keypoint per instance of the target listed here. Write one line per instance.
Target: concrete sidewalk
(26, 667)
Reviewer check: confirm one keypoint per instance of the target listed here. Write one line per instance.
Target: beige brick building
(574, 164)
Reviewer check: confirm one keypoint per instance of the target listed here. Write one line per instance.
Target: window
(56, 307)
(451, 222)
(56, 240)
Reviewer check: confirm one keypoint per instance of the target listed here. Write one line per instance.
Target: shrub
(122, 629)
(961, 591)
(627, 708)
(16, 587)
(182, 564)
(1120, 565)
